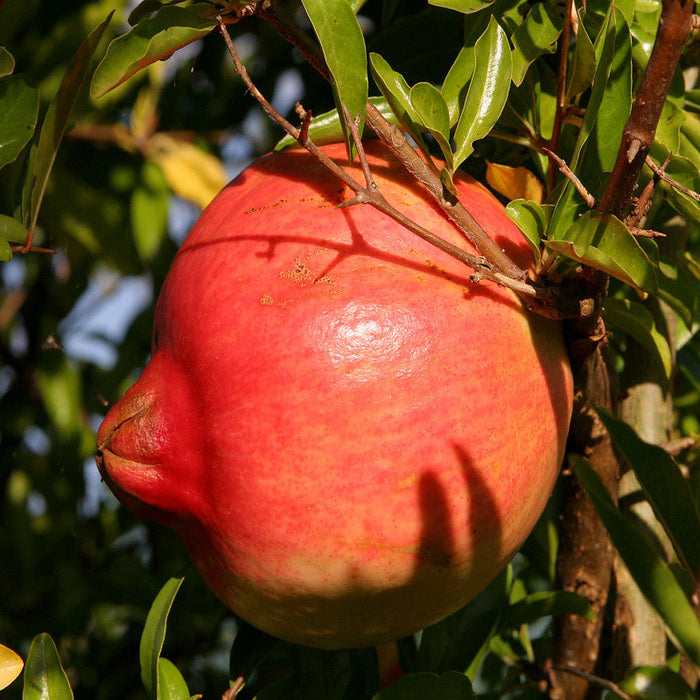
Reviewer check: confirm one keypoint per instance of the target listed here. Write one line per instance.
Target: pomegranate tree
(350, 436)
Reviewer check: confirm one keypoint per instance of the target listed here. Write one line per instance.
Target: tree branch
(369, 194)
(674, 26)
(399, 146)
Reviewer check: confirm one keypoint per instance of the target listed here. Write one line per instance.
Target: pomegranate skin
(350, 437)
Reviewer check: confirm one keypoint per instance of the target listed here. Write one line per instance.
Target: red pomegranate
(350, 437)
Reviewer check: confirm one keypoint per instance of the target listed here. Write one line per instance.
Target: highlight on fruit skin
(350, 438)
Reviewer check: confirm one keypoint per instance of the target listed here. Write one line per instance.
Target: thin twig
(394, 139)
(23, 249)
(660, 172)
(569, 174)
(594, 680)
(561, 89)
(369, 195)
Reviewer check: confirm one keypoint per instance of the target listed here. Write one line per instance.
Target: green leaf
(604, 242)
(7, 62)
(431, 109)
(44, 676)
(395, 90)
(422, 686)
(656, 683)
(153, 635)
(584, 62)
(151, 40)
(171, 684)
(635, 320)
(58, 115)
(685, 172)
(326, 127)
(537, 35)
(649, 571)
(250, 646)
(487, 93)
(10, 230)
(465, 6)
(666, 489)
(569, 204)
(454, 87)
(668, 130)
(60, 388)
(147, 8)
(616, 102)
(343, 46)
(532, 219)
(19, 106)
(543, 604)
(149, 211)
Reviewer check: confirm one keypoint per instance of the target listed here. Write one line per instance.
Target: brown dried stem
(594, 680)
(569, 174)
(660, 173)
(561, 91)
(674, 27)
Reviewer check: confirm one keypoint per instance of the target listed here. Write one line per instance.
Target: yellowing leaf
(190, 172)
(11, 665)
(514, 183)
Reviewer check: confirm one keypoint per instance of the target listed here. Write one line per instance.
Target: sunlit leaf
(487, 93)
(190, 172)
(19, 106)
(58, 116)
(604, 242)
(454, 87)
(7, 62)
(171, 684)
(431, 109)
(656, 683)
(649, 571)
(532, 220)
(343, 46)
(44, 676)
(326, 127)
(153, 635)
(11, 666)
(535, 36)
(665, 487)
(419, 686)
(515, 183)
(396, 91)
(151, 40)
(466, 6)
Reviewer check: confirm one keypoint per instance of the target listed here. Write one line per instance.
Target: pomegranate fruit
(349, 436)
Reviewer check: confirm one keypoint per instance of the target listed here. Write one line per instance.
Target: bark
(586, 554)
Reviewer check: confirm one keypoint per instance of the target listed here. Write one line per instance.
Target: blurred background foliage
(130, 177)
